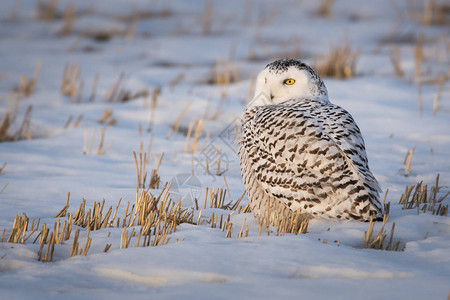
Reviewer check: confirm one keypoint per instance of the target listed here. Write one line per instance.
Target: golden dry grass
(24, 130)
(157, 218)
(430, 12)
(324, 9)
(8, 130)
(46, 10)
(419, 197)
(339, 62)
(395, 58)
(377, 241)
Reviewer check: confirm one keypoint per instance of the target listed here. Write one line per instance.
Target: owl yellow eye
(289, 81)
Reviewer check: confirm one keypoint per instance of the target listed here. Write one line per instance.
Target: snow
(327, 262)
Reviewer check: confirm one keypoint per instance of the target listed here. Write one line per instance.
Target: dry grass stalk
(225, 72)
(436, 105)
(94, 88)
(395, 56)
(77, 121)
(213, 220)
(245, 209)
(408, 159)
(215, 198)
(50, 248)
(70, 81)
(140, 168)
(235, 206)
(125, 238)
(106, 115)
(86, 247)
(154, 178)
(324, 10)
(176, 80)
(75, 244)
(107, 247)
(188, 136)
(26, 87)
(3, 167)
(3, 188)
(69, 120)
(118, 94)
(57, 236)
(157, 217)
(95, 218)
(4, 126)
(46, 11)
(176, 125)
(143, 14)
(435, 13)
(131, 30)
(99, 35)
(229, 232)
(126, 95)
(284, 220)
(24, 130)
(207, 17)
(218, 173)
(19, 229)
(198, 132)
(87, 149)
(14, 15)
(386, 206)
(199, 216)
(239, 235)
(63, 211)
(340, 62)
(226, 185)
(417, 196)
(111, 92)
(13, 105)
(100, 150)
(377, 241)
(428, 13)
(68, 19)
(154, 100)
(418, 55)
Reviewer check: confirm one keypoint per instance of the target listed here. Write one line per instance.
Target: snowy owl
(301, 152)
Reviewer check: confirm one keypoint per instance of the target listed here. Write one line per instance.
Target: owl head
(287, 79)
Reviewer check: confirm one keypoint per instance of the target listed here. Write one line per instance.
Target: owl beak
(271, 96)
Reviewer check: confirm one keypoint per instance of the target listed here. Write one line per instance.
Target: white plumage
(299, 150)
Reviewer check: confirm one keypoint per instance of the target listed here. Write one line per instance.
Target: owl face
(287, 79)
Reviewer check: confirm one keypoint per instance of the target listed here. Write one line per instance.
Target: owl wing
(342, 128)
(308, 161)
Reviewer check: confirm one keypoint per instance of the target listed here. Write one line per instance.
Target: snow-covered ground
(176, 45)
